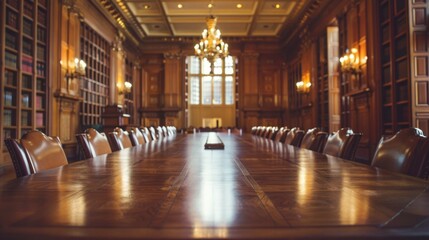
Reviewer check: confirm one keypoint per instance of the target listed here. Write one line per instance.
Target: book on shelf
(10, 59)
(40, 52)
(40, 119)
(27, 47)
(25, 100)
(41, 16)
(10, 78)
(40, 84)
(11, 40)
(27, 81)
(41, 34)
(12, 19)
(39, 102)
(27, 27)
(27, 64)
(40, 69)
(7, 117)
(25, 120)
(8, 98)
(28, 8)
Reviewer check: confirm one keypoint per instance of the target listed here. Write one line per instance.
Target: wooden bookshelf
(24, 86)
(322, 83)
(395, 70)
(94, 87)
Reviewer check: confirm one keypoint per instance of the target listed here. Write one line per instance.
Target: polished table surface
(253, 189)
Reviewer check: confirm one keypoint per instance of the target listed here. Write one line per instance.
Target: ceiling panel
(252, 18)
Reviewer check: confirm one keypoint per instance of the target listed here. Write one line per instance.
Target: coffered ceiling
(146, 19)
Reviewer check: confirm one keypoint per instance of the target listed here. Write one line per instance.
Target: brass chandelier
(211, 46)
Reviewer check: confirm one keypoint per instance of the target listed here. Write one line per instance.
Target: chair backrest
(342, 143)
(119, 139)
(93, 143)
(294, 137)
(314, 139)
(152, 132)
(136, 136)
(35, 152)
(284, 135)
(399, 152)
(146, 133)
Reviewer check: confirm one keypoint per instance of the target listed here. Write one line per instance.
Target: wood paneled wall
(419, 51)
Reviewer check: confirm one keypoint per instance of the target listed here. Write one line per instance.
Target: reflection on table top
(254, 188)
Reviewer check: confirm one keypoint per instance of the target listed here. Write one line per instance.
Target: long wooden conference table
(254, 188)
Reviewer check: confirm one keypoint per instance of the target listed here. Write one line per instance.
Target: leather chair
(35, 152)
(342, 143)
(119, 139)
(93, 143)
(153, 134)
(294, 137)
(136, 136)
(284, 135)
(401, 152)
(145, 131)
(314, 139)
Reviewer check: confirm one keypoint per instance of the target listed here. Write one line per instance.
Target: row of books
(9, 98)
(11, 40)
(27, 27)
(41, 16)
(40, 84)
(28, 8)
(27, 64)
(40, 69)
(41, 34)
(25, 100)
(41, 52)
(8, 116)
(27, 47)
(10, 59)
(27, 81)
(12, 19)
(10, 78)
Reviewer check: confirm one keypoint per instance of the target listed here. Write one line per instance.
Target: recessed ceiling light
(179, 5)
(210, 5)
(146, 7)
(276, 6)
(239, 5)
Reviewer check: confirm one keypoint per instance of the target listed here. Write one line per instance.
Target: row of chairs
(36, 151)
(407, 151)
(342, 143)
(94, 143)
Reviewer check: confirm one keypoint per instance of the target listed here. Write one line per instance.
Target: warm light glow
(239, 5)
(350, 62)
(127, 86)
(179, 5)
(146, 7)
(304, 85)
(210, 5)
(276, 6)
(211, 46)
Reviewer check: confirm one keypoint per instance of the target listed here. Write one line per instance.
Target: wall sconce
(350, 62)
(304, 85)
(75, 69)
(126, 88)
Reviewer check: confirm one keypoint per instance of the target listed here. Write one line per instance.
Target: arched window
(207, 87)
